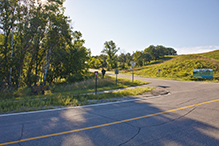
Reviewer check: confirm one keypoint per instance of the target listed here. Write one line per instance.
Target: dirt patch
(159, 91)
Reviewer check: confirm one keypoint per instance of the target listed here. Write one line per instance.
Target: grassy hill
(211, 55)
(181, 67)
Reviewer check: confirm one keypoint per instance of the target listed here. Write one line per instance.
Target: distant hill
(181, 67)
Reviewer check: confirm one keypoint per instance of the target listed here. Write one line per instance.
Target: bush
(79, 77)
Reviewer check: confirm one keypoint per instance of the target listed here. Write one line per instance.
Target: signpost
(96, 73)
(116, 72)
(159, 70)
(133, 65)
(203, 73)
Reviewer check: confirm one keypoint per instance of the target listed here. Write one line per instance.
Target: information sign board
(203, 73)
(116, 71)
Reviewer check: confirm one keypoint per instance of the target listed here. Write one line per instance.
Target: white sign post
(133, 65)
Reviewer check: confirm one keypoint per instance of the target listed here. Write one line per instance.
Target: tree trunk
(47, 66)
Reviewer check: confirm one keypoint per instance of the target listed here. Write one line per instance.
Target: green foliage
(68, 95)
(122, 60)
(94, 63)
(159, 51)
(138, 58)
(111, 50)
(44, 46)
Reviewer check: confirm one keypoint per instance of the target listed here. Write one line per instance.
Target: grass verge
(64, 97)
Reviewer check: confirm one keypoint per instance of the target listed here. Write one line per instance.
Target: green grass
(135, 91)
(152, 63)
(181, 67)
(69, 95)
(212, 55)
(86, 86)
(108, 83)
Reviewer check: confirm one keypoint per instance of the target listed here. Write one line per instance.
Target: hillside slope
(211, 55)
(181, 67)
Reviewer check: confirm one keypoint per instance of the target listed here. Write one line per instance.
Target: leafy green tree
(44, 46)
(7, 22)
(147, 57)
(170, 51)
(95, 62)
(138, 58)
(122, 60)
(160, 51)
(110, 49)
(129, 58)
(152, 51)
(103, 60)
(58, 38)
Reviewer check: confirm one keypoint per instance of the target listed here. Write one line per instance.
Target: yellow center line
(108, 124)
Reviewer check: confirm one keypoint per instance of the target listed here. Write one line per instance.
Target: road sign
(133, 64)
(96, 73)
(116, 71)
(159, 70)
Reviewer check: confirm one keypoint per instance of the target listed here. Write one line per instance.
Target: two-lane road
(189, 115)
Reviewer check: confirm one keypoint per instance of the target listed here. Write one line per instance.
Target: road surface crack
(22, 132)
(139, 130)
(171, 119)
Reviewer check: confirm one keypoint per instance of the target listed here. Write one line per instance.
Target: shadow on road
(176, 128)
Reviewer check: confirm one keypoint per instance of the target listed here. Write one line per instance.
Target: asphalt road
(188, 115)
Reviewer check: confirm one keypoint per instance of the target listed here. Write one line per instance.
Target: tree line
(37, 44)
(110, 60)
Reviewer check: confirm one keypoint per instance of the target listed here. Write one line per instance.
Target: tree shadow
(107, 126)
(176, 128)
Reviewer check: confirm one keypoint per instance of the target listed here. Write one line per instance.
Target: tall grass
(181, 68)
(85, 86)
(107, 83)
(66, 95)
(211, 55)
(22, 104)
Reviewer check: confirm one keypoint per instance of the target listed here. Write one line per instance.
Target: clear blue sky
(188, 26)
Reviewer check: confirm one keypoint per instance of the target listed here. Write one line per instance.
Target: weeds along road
(189, 115)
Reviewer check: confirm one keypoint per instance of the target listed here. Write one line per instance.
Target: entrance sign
(203, 73)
